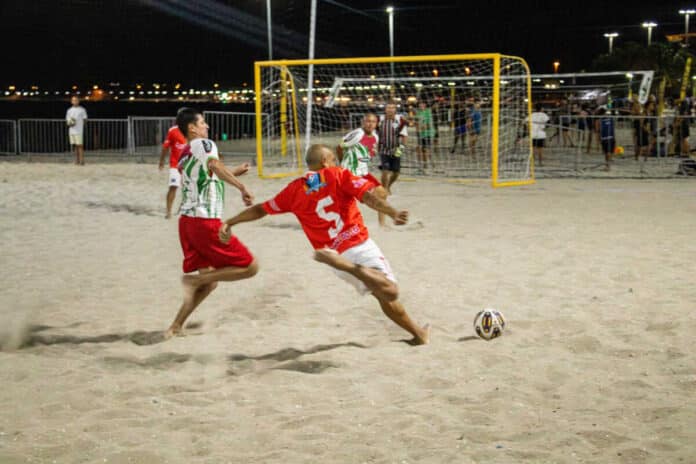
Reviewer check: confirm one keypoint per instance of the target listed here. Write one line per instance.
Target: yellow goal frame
(495, 126)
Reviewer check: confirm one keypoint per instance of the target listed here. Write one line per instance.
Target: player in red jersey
(175, 143)
(324, 202)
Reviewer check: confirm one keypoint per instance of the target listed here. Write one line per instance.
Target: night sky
(56, 43)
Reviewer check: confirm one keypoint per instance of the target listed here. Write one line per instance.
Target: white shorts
(174, 177)
(75, 139)
(367, 254)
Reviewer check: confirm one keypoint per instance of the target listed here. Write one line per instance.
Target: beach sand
(595, 278)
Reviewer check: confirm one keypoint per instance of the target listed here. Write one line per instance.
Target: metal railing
(573, 148)
(146, 134)
(8, 137)
(101, 137)
(233, 132)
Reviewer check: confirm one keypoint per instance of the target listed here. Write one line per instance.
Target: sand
(595, 277)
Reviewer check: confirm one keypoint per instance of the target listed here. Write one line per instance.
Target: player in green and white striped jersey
(356, 150)
(203, 177)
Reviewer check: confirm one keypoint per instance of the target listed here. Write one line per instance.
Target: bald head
(319, 156)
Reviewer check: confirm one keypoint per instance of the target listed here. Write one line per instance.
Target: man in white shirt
(539, 120)
(75, 119)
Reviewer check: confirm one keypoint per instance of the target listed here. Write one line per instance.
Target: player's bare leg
(392, 179)
(382, 288)
(373, 279)
(382, 194)
(395, 311)
(197, 287)
(385, 181)
(472, 146)
(171, 194)
(81, 155)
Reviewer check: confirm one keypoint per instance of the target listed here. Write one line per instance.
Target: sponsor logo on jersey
(357, 183)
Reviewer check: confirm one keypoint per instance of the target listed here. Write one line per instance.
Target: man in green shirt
(426, 130)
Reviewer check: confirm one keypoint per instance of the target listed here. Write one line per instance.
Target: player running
(357, 149)
(203, 188)
(175, 144)
(323, 200)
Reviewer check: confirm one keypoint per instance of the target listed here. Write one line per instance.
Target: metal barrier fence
(8, 137)
(233, 132)
(147, 134)
(572, 146)
(102, 137)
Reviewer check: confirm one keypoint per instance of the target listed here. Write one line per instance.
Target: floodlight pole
(270, 34)
(686, 14)
(390, 12)
(611, 37)
(310, 74)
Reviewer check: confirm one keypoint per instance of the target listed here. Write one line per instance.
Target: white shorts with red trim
(367, 254)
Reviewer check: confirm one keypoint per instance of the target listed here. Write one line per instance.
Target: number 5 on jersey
(329, 216)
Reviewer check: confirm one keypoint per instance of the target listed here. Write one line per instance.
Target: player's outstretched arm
(228, 175)
(382, 206)
(252, 213)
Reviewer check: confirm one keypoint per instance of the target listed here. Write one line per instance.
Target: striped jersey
(203, 193)
(358, 149)
(390, 130)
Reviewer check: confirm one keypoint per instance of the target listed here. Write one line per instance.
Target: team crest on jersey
(207, 145)
(314, 182)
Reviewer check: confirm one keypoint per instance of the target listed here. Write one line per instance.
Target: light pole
(268, 25)
(649, 26)
(611, 36)
(686, 14)
(390, 12)
(310, 72)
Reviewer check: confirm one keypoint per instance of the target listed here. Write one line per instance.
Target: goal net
(467, 115)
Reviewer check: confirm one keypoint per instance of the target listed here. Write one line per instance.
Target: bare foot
(423, 337)
(173, 331)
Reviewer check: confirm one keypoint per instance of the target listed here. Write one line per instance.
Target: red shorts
(372, 179)
(202, 247)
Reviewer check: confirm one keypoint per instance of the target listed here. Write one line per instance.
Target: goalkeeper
(392, 131)
(356, 150)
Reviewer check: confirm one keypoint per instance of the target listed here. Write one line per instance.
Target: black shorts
(539, 143)
(643, 139)
(425, 142)
(390, 163)
(685, 126)
(608, 146)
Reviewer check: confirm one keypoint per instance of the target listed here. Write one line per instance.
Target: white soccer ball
(489, 324)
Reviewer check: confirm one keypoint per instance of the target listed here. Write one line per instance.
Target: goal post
(467, 114)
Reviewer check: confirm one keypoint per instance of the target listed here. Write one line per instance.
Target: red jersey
(176, 142)
(325, 204)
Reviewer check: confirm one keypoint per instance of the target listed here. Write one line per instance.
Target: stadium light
(686, 14)
(649, 26)
(611, 36)
(556, 64)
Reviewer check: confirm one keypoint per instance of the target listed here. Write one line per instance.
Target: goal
(468, 114)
